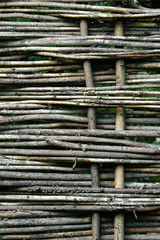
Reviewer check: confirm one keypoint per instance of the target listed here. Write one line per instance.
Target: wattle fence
(79, 120)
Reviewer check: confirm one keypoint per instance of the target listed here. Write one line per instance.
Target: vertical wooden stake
(120, 125)
(91, 125)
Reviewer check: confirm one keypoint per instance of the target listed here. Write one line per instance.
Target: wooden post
(91, 125)
(120, 125)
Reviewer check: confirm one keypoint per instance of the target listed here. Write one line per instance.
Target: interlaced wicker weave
(80, 114)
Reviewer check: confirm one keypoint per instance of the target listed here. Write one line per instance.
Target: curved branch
(134, 4)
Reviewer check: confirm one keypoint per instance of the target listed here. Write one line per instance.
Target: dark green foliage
(150, 3)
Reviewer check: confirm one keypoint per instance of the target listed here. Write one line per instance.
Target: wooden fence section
(79, 120)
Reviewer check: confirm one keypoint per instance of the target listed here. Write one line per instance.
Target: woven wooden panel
(79, 120)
